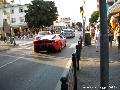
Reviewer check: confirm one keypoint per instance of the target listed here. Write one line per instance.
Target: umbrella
(114, 9)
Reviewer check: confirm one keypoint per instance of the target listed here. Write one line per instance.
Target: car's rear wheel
(36, 49)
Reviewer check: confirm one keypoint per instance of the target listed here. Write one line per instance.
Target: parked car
(52, 42)
(42, 33)
(68, 33)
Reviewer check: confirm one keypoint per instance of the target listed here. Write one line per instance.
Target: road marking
(25, 47)
(10, 62)
(26, 43)
(73, 45)
(8, 55)
(66, 70)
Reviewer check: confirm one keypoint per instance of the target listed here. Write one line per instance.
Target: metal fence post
(80, 46)
(74, 65)
(77, 57)
(64, 85)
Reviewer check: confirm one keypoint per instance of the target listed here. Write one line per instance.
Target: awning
(19, 25)
(114, 9)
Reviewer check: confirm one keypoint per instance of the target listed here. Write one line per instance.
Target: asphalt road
(22, 69)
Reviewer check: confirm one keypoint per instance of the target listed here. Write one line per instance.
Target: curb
(95, 60)
(66, 70)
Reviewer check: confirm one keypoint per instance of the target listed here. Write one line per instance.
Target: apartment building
(65, 22)
(13, 14)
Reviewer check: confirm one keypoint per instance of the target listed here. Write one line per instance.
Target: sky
(71, 8)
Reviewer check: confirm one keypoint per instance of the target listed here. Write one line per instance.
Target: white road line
(66, 70)
(10, 62)
(24, 47)
(73, 45)
(26, 43)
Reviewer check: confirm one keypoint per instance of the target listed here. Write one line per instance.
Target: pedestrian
(118, 35)
(5, 38)
(97, 38)
(92, 32)
(110, 35)
(115, 37)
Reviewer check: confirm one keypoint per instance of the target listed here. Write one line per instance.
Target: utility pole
(84, 19)
(104, 47)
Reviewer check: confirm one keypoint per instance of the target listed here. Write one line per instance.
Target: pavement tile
(89, 75)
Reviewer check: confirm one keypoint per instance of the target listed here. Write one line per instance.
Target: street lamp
(12, 39)
(4, 20)
(84, 19)
(7, 25)
(11, 2)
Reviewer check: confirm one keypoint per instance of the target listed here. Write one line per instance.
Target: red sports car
(53, 42)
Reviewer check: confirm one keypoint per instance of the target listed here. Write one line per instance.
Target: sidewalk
(4, 46)
(7, 46)
(89, 75)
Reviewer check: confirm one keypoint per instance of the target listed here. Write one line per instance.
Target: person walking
(92, 32)
(118, 35)
(97, 38)
(111, 35)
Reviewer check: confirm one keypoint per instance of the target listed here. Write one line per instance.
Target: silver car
(68, 33)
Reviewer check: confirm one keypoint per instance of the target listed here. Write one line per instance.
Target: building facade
(14, 15)
(65, 22)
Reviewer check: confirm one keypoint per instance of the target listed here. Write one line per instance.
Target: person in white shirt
(92, 32)
(97, 38)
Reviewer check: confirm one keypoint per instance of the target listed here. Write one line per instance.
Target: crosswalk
(73, 45)
(30, 46)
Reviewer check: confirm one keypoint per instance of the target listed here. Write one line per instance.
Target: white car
(68, 33)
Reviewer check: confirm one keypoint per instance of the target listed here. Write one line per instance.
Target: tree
(79, 24)
(94, 17)
(41, 14)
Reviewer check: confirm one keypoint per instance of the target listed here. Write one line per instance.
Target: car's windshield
(42, 33)
(67, 30)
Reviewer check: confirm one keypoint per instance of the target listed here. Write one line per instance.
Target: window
(57, 37)
(21, 19)
(13, 20)
(20, 9)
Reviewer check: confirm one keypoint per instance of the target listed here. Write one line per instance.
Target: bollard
(77, 57)
(80, 48)
(74, 65)
(64, 85)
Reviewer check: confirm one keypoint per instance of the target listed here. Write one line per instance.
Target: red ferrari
(53, 42)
